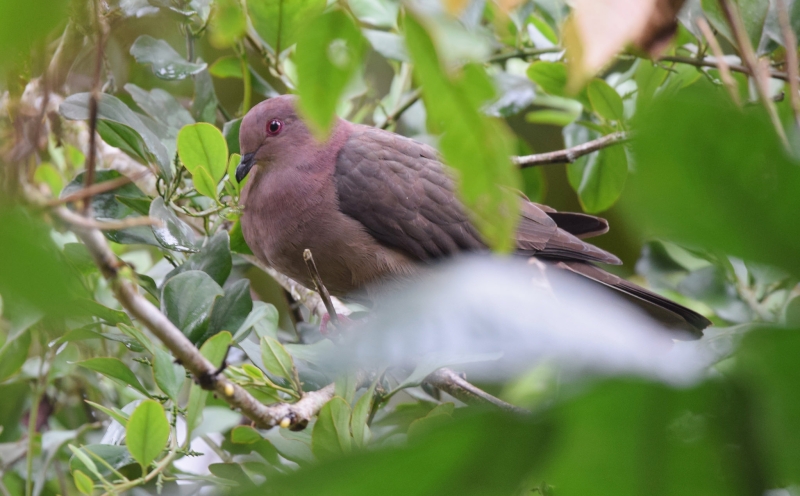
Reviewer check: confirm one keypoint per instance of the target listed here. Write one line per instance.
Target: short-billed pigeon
(372, 205)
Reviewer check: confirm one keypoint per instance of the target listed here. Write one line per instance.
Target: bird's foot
(343, 321)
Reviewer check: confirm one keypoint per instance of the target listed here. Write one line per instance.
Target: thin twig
(502, 57)
(108, 225)
(790, 41)
(321, 289)
(410, 100)
(458, 387)
(569, 155)
(724, 70)
(759, 72)
(94, 98)
(94, 189)
(715, 65)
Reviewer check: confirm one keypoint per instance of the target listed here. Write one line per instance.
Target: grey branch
(570, 155)
(294, 415)
(458, 387)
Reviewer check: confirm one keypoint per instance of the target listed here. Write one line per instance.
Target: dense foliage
(702, 187)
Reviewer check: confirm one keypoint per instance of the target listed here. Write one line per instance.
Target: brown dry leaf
(599, 29)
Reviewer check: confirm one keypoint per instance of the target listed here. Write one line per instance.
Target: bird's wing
(404, 196)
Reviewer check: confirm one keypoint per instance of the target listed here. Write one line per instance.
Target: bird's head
(271, 131)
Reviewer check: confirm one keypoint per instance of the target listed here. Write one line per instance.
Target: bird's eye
(274, 127)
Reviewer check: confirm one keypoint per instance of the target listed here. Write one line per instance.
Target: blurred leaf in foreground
(711, 175)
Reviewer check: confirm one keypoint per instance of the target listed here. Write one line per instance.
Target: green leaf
(420, 428)
(227, 23)
(13, 354)
(277, 361)
(107, 315)
(478, 147)
(111, 109)
(24, 25)
(115, 456)
(280, 22)
(214, 259)
(173, 233)
(602, 179)
(379, 13)
(233, 162)
(114, 413)
(244, 434)
(201, 146)
(139, 336)
(231, 471)
(238, 243)
(605, 100)
(550, 76)
(230, 311)
(753, 14)
(166, 62)
(361, 411)
(736, 185)
(161, 106)
(107, 205)
(83, 482)
(328, 54)
(113, 368)
(169, 375)
(47, 174)
(649, 77)
(123, 137)
(204, 105)
(147, 433)
(231, 132)
(214, 349)
(553, 117)
(227, 67)
(187, 299)
(330, 438)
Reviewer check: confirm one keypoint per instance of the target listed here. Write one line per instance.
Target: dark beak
(247, 162)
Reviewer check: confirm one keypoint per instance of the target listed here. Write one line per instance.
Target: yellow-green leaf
(83, 482)
(147, 432)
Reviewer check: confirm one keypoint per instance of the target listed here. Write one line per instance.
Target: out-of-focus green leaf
(114, 413)
(169, 375)
(649, 77)
(173, 233)
(109, 315)
(24, 24)
(550, 76)
(231, 132)
(478, 147)
(166, 62)
(238, 244)
(147, 432)
(230, 311)
(753, 13)
(714, 176)
(605, 100)
(83, 482)
(187, 299)
(279, 23)
(232, 472)
(113, 368)
(358, 421)
(602, 178)
(429, 423)
(277, 361)
(202, 147)
(233, 162)
(214, 259)
(32, 271)
(214, 349)
(767, 364)
(676, 442)
(161, 106)
(14, 395)
(47, 174)
(379, 13)
(123, 137)
(108, 205)
(110, 108)
(227, 23)
(331, 436)
(227, 67)
(553, 117)
(388, 44)
(328, 53)
(13, 354)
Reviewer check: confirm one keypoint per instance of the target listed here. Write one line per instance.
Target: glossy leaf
(173, 233)
(279, 23)
(187, 299)
(331, 436)
(214, 259)
(230, 311)
(147, 432)
(76, 107)
(113, 368)
(166, 62)
(328, 54)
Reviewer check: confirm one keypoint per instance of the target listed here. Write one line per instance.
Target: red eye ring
(274, 127)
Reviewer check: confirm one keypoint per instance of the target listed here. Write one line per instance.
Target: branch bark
(570, 155)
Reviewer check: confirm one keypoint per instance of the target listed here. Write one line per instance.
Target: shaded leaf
(602, 177)
(605, 100)
(279, 23)
(169, 375)
(187, 299)
(113, 368)
(13, 354)
(214, 259)
(166, 62)
(161, 106)
(230, 311)
(276, 359)
(331, 436)
(204, 105)
(173, 233)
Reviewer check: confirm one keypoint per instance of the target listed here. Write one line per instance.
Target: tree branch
(294, 415)
(569, 155)
(458, 387)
